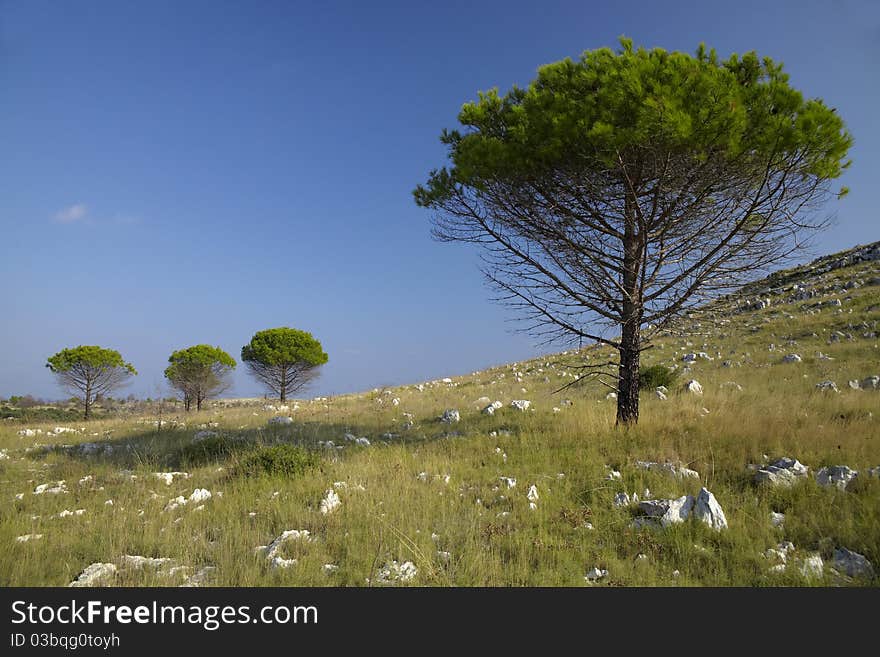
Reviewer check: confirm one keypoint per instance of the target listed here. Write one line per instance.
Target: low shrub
(657, 375)
(277, 460)
(211, 449)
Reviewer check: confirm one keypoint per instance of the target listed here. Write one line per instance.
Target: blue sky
(175, 173)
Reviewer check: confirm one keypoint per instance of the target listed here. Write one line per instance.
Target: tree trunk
(283, 385)
(88, 400)
(630, 339)
(199, 400)
(628, 376)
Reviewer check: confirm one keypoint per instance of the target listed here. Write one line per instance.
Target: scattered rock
(693, 386)
(784, 472)
(709, 511)
(595, 574)
(812, 567)
(532, 495)
(281, 419)
(200, 495)
(852, 563)
(777, 519)
(168, 477)
(28, 537)
(836, 475)
(779, 555)
(491, 408)
(138, 562)
(331, 502)
(668, 511)
(622, 499)
(271, 551)
(693, 357)
(450, 416)
(792, 358)
(52, 489)
(199, 578)
(679, 471)
(520, 404)
(394, 572)
(827, 386)
(96, 574)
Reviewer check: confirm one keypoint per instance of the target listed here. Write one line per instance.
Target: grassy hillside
(441, 496)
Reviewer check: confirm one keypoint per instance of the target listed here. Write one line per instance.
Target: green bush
(280, 460)
(657, 375)
(208, 450)
(40, 414)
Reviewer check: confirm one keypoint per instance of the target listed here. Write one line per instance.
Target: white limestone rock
(668, 512)
(199, 578)
(792, 358)
(450, 416)
(871, 383)
(168, 477)
(708, 510)
(836, 475)
(330, 503)
(394, 572)
(532, 495)
(693, 386)
(272, 550)
(782, 472)
(57, 488)
(199, 495)
(138, 562)
(812, 567)
(520, 404)
(621, 499)
(96, 574)
(680, 471)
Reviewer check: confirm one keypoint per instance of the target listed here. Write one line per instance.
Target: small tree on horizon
(89, 372)
(199, 372)
(283, 359)
(618, 191)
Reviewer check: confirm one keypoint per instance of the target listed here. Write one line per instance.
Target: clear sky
(175, 173)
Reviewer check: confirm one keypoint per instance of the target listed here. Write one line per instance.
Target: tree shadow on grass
(170, 448)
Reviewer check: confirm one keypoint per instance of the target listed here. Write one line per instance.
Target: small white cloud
(72, 214)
